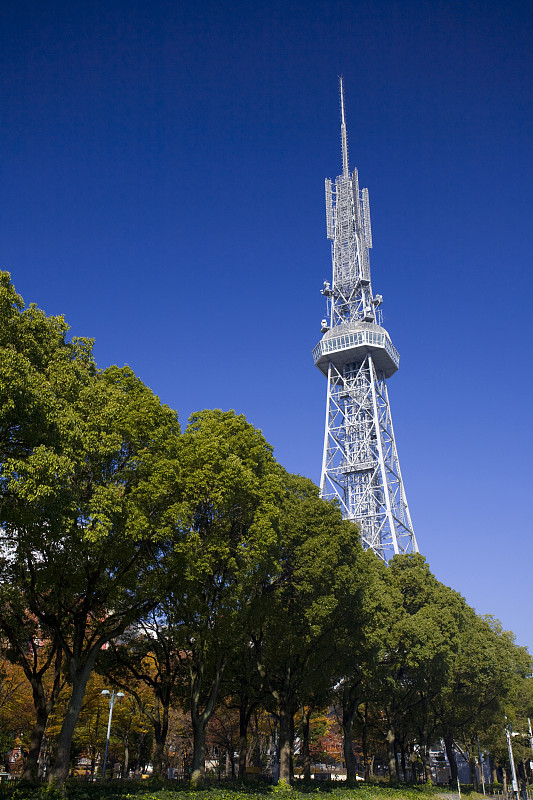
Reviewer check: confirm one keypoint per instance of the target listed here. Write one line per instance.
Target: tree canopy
(82, 450)
(191, 568)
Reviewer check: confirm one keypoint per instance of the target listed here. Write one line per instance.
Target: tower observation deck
(360, 464)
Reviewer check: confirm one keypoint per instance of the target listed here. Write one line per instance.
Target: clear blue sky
(162, 174)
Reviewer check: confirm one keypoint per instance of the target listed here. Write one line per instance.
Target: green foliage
(50, 792)
(115, 790)
(82, 452)
(225, 511)
(216, 562)
(79, 450)
(282, 788)
(6, 743)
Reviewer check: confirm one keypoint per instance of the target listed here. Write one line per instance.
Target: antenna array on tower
(366, 214)
(329, 210)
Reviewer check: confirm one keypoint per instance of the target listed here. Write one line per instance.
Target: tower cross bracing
(360, 466)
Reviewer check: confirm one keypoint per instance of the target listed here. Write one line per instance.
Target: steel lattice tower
(360, 464)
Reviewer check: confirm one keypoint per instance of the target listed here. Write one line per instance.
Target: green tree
(521, 715)
(363, 644)
(313, 589)
(33, 351)
(225, 511)
(487, 674)
(83, 452)
(420, 650)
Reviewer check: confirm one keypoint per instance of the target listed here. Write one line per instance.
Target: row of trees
(193, 567)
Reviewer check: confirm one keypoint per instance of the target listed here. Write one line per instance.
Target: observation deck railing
(347, 341)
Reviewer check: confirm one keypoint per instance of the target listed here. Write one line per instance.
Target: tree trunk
(31, 764)
(473, 775)
(228, 770)
(257, 744)
(160, 733)
(349, 708)
(199, 718)
(284, 743)
(349, 757)
(425, 763)
(412, 761)
(43, 706)
(140, 742)
(306, 756)
(493, 769)
(427, 767)
(404, 767)
(243, 740)
(80, 676)
(291, 739)
(126, 757)
(450, 752)
(364, 744)
(391, 752)
(198, 756)
(159, 748)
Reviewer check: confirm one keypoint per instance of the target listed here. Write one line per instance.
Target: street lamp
(481, 775)
(113, 697)
(508, 735)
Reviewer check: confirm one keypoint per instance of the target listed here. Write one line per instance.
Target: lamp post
(113, 697)
(508, 735)
(480, 765)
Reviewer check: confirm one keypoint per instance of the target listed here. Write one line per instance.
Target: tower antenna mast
(344, 138)
(360, 466)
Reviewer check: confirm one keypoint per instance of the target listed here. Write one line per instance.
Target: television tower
(360, 464)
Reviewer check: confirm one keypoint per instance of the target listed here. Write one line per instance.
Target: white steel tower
(360, 464)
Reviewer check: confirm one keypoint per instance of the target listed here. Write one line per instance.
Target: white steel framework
(360, 466)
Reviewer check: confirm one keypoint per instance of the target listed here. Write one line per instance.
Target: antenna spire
(344, 139)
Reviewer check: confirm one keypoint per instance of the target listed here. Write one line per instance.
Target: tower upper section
(353, 324)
